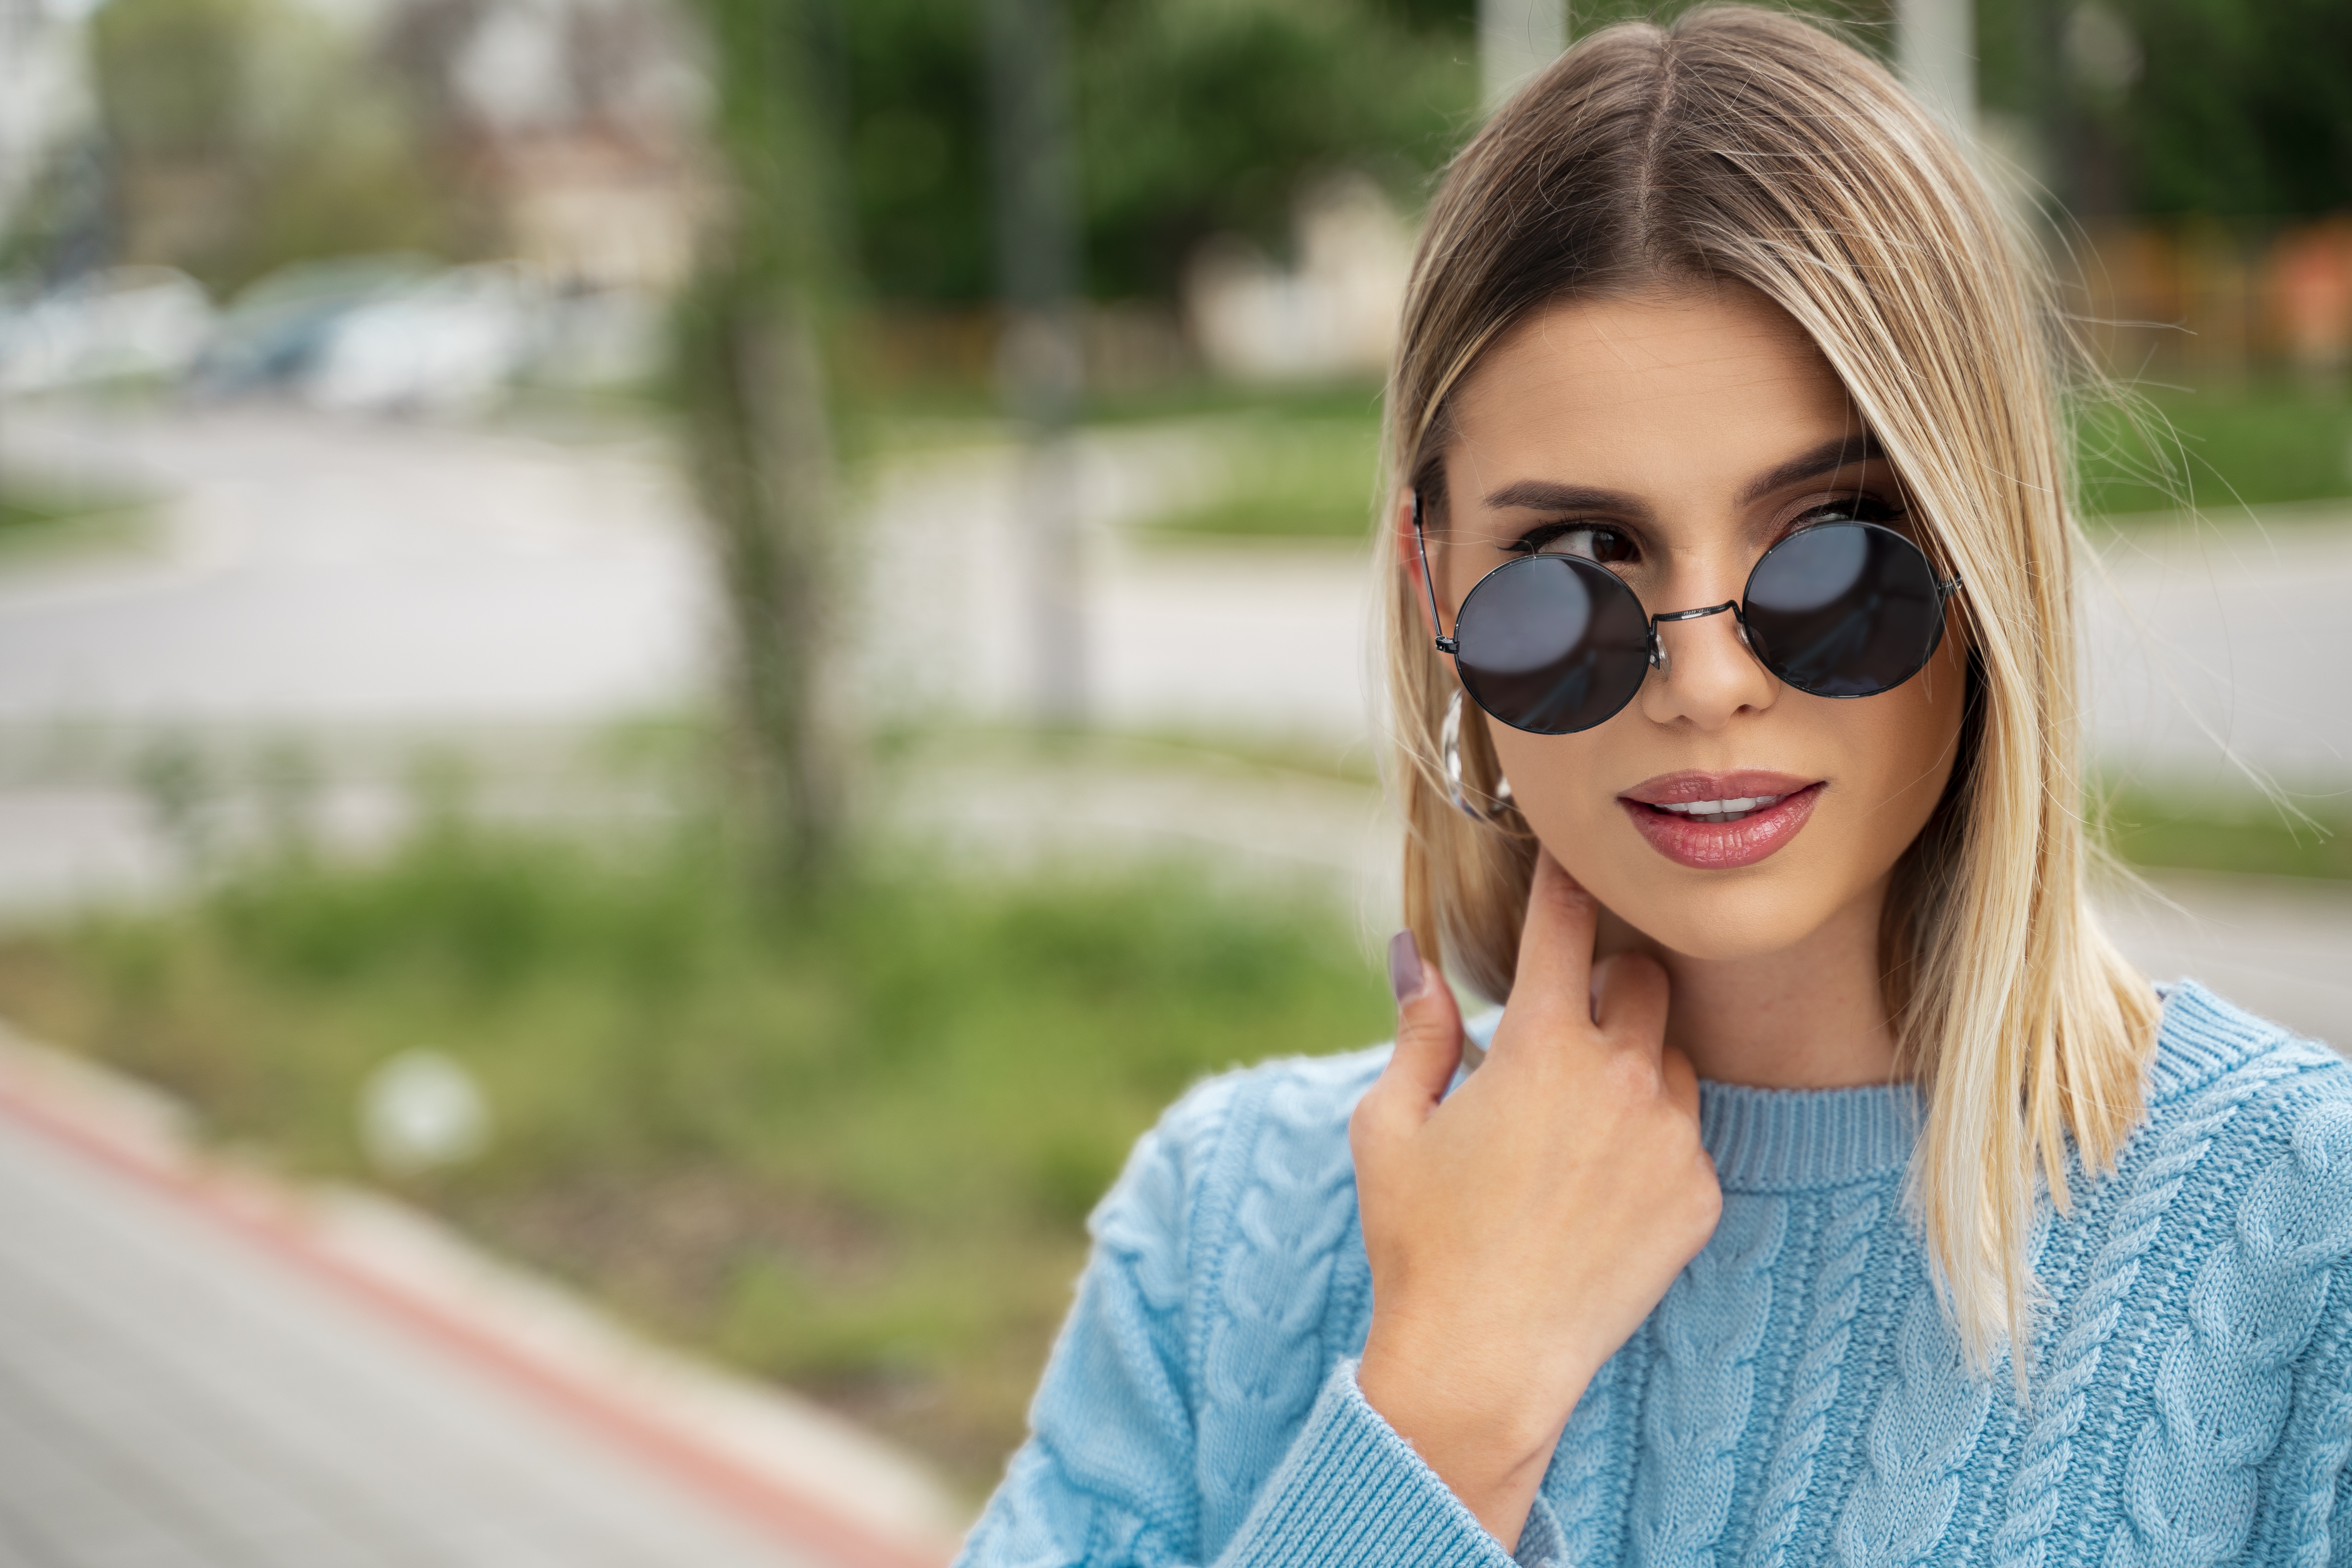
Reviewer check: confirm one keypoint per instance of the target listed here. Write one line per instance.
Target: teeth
(1721, 810)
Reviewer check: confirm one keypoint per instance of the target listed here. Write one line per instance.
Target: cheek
(1906, 743)
(1888, 758)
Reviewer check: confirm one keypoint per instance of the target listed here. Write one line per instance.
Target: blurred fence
(2212, 301)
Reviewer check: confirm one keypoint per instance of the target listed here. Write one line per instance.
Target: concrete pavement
(201, 1367)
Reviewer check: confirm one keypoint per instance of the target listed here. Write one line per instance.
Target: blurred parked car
(450, 343)
(276, 332)
(126, 323)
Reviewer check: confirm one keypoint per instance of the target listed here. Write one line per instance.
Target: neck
(1813, 1015)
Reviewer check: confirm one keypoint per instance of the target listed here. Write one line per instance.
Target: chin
(1752, 917)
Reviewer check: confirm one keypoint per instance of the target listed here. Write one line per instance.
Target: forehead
(1704, 382)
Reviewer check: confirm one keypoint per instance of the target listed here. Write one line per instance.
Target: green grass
(1291, 477)
(848, 1148)
(2245, 834)
(1304, 466)
(2256, 446)
(36, 521)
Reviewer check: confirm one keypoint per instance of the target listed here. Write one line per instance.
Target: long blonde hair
(1748, 145)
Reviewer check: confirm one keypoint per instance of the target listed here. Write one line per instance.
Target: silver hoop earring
(1450, 746)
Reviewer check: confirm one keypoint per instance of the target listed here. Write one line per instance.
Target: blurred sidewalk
(362, 581)
(202, 1368)
(312, 570)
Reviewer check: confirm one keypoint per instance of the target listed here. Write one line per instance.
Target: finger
(1629, 1000)
(1556, 940)
(1429, 1031)
(1681, 1080)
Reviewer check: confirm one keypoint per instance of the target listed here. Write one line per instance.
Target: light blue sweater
(1798, 1399)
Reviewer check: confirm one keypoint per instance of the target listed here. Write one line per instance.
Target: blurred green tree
(2162, 107)
(1194, 117)
(241, 134)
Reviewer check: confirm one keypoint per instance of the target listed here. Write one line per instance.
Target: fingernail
(1405, 975)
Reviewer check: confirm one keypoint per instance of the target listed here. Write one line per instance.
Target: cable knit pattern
(2070, 1365)
(1798, 1397)
(1580, 1467)
(1264, 1357)
(1920, 1439)
(1707, 1331)
(1845, 1247)
(2221, 1390)
(2324, 1390)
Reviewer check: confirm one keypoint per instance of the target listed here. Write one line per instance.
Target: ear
(1409, 558)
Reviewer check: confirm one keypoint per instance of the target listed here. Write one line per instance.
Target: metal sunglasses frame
(1656, 654)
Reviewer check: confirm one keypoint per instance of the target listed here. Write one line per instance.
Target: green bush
(848, 1147)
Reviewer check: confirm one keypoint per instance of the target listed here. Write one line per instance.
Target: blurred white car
(449, 343)
(125, 323)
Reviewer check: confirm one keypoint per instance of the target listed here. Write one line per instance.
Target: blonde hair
(1748, 146)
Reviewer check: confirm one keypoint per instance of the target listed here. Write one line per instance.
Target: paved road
(174, 1394)
(316, 571)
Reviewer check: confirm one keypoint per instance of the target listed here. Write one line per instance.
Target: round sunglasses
(1556, 643)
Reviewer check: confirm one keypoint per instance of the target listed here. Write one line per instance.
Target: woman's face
(1674, 438)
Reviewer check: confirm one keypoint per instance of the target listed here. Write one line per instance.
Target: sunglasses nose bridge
(1661, 661)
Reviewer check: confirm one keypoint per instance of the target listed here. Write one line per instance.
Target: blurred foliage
(247, 134)
(2243, 833)
(1303, 464)
(850, 1149)
(2211, 105)
(1289, 478)
(1194, 117)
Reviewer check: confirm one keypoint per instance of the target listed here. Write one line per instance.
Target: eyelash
(1862, 507)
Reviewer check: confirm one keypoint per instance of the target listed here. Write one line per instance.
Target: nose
(1706, 676)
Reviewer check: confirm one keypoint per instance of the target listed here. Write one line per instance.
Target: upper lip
(1682, 788)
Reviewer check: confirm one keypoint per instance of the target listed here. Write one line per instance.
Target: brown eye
(1594, 543)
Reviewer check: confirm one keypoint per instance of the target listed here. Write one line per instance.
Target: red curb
(796, 1519)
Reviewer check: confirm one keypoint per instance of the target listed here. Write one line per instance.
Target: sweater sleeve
(1107, 1476)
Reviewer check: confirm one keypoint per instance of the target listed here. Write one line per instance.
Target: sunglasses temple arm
(1421, 543)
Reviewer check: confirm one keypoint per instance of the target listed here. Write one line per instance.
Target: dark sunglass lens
(1844, 609)
(1554, 644)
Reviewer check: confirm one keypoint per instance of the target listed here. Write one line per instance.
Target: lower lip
(1723, 845)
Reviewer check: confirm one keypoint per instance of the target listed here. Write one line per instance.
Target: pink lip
(1720, 846)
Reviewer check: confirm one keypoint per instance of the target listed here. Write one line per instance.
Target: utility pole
(1040, 358)
(1936, 50)
(1517, 38)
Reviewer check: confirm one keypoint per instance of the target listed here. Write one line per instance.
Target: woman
(1829, 1191)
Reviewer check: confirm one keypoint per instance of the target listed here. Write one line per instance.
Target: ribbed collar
(1787, 1140)
(1783, 1140)
(2202, 1037)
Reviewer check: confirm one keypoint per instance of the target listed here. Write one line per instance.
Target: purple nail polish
(1406, 976)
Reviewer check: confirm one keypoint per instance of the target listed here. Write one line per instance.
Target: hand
(1520, 1230)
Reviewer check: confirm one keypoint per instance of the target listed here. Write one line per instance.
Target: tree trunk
(752, 380)
(763, 457)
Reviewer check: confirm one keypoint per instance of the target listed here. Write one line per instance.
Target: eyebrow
(1545, 495)
(1826, 458)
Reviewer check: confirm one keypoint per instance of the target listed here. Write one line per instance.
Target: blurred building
(1331, 316)
(578, 123)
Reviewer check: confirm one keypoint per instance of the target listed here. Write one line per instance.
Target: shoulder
(1276, 1129)
(2220, 1071)
(2245, 1163)
(2226, 1246)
